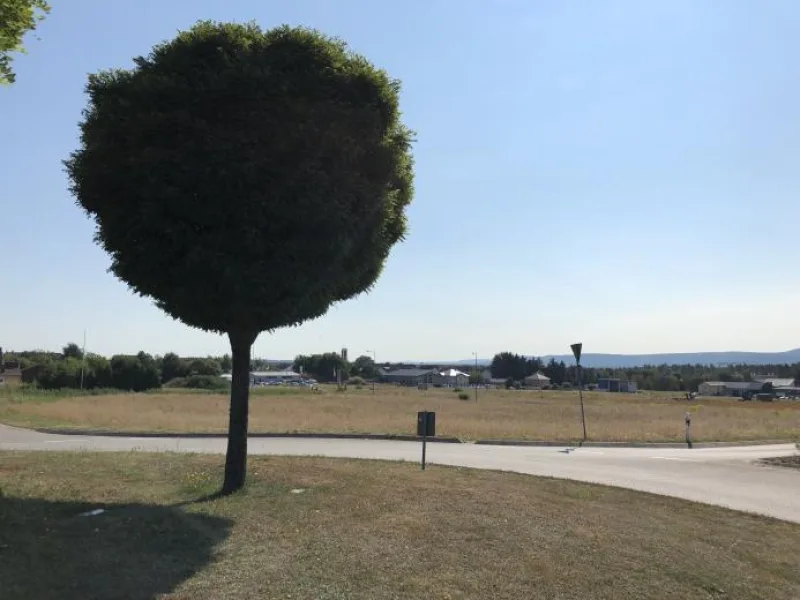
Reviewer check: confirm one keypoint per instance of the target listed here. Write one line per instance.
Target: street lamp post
(475, 354)
(375, 364)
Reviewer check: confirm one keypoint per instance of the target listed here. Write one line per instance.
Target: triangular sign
(576, 350)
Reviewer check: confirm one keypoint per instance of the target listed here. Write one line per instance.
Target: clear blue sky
(621, 173)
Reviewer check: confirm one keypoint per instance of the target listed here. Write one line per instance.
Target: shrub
(463, 396)
(566, 385)
(176, 382)
(199, 382)
(457, 390)
(555, 386)
(356, 381)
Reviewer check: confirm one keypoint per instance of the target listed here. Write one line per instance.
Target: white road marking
(673, 458)
(65, 441)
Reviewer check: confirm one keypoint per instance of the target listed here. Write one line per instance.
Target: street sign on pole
(576, 351)
(426, 427)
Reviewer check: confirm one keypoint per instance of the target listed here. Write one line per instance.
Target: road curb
(166, 434)
(578, 444)
(739, 443)
(408, 438)
(590, 444)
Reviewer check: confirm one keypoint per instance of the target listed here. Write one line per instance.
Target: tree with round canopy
(245, 180)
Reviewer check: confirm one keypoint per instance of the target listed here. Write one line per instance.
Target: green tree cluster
(666, 378)
(508, 365)
(323, 367)
(63, 370)
(131, 373)
(136, 373)
(173, 367)
(364, 367)
(72, 350)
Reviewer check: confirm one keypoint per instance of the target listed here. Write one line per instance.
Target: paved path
(722, 476)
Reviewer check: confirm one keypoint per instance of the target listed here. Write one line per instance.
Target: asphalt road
(722, 476)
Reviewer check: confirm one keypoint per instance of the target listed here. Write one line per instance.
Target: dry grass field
(498, 414)
(322, 529)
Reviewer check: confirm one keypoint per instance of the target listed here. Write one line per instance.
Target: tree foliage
(135, 373)
(97, 372)
(208, 367)
(17, 17)
(666, 378)
(59, 374)
(231, 155)
(172, 367)
(72, 350)
(558, 372)
(131, 373)
(507, 365)
(365, 367)
(323, 367)
(54, 372)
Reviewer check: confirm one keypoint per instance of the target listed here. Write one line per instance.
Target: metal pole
(424, 444)
(689, 430)
(580, 395)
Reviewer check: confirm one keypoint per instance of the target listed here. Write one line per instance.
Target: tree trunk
(236, 457)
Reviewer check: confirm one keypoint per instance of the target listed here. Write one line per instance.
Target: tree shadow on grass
(134, 551)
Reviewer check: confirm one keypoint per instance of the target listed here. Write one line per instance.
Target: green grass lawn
(309, 528)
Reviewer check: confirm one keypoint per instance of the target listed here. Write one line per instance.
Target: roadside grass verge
(498, 414)
(309, 528)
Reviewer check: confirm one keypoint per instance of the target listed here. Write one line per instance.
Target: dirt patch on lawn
(791, 462)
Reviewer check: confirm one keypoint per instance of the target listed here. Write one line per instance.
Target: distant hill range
(622, 361)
